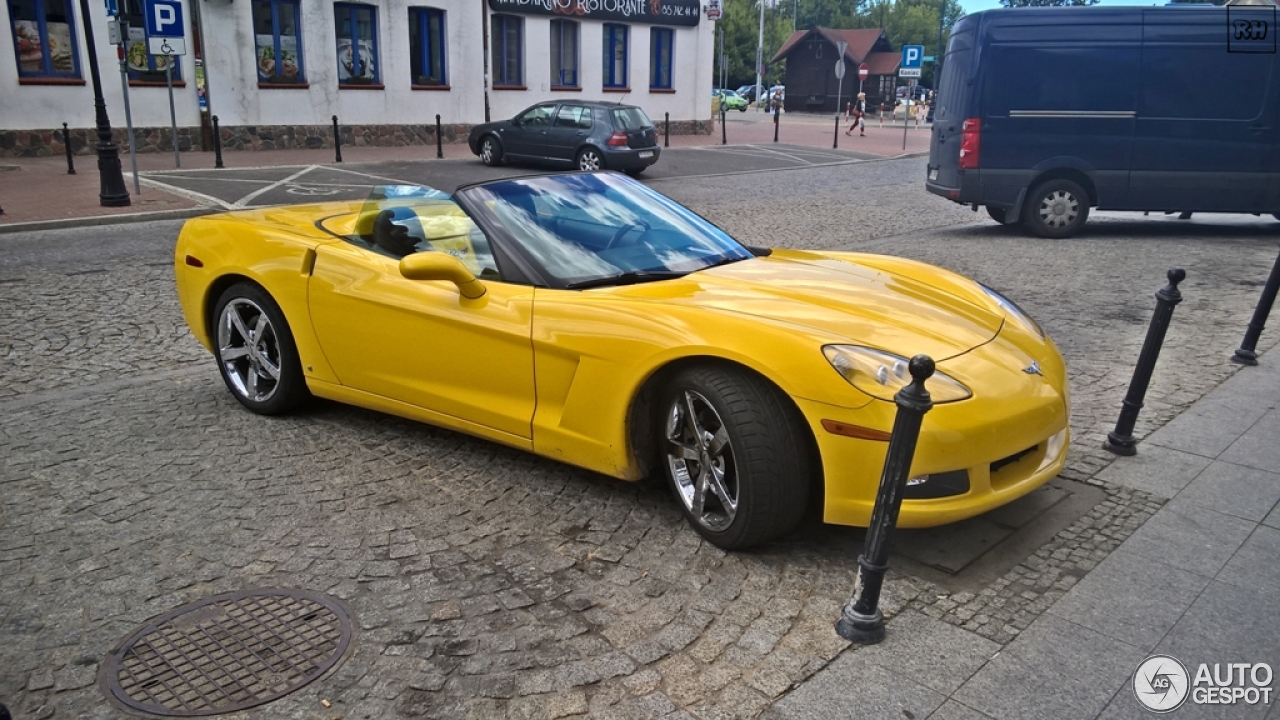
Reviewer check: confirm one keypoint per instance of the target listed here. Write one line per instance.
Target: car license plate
(646, 154)
(933, 174)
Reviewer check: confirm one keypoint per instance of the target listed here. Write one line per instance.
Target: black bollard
(776, 111)
(861, 620)
(835, 136)
(217, 145)
(724, 139)
(1120, 441)
(66, 143)
(337, 141)
(1, 211)
(666, 130)
(439, 147)
(1245, 355)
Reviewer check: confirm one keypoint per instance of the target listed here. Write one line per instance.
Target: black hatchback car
(587, 135)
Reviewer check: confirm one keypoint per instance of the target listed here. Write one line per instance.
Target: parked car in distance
(730, 100)
(748, 92)
(585, 134)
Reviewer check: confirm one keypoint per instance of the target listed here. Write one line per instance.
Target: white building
(275, 72)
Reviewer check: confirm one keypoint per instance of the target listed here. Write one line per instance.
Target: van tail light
(970, 143)
(618, 139)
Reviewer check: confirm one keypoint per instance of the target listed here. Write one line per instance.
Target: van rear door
(1207, 112)
(952, 102)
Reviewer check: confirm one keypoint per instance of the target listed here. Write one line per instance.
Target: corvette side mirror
(441, 266)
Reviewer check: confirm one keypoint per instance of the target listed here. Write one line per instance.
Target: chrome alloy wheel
(1059, 209)
(486, 151)
(589, 160)
(700, 461)
(249, 350)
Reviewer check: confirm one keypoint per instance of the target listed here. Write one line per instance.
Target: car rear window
(632, 118)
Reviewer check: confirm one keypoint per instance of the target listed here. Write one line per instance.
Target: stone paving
(488, 583)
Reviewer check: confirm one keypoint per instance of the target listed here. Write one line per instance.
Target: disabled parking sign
(165, 30)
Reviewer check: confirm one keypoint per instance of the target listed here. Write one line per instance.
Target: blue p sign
(164, 18)
(912, 56)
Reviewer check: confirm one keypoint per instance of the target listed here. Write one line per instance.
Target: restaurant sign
(656, 12)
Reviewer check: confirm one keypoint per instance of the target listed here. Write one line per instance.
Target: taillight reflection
(970, 143)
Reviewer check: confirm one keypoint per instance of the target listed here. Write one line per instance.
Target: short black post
(666, 130)
(1245, 355)
(217, 144)
(439, 141)
(1120, 441)
(861, 620)
(776, 114)
(835, 136)
(66, 143)
(724, 139)
(337, 141)
(1, 211)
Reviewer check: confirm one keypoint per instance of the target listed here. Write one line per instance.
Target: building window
(508, 50)
(43, 37)
(142, 66)
(564, 53)
(426, 46)
(661, 53)
(357, 43)
(278, 47)
(615, 56)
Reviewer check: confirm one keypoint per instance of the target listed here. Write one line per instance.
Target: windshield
(586, 227)
(631, 118)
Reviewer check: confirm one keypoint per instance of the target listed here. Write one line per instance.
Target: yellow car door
(422, 342)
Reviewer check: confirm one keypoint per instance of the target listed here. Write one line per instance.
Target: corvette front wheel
(255, 351)
(734, 456)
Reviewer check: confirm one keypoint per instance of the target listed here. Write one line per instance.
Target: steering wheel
(622, 231)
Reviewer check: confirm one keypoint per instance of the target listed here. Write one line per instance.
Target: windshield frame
(474, 199)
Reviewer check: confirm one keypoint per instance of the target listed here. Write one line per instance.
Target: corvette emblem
(1033, 369)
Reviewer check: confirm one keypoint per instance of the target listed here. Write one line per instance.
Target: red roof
(860, 43)
(883, 63)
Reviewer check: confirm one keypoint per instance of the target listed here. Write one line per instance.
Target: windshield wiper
(630, 277)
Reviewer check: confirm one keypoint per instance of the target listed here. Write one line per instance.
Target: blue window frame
(277, 42)
(44, 38)
(142, 66)
(615, 56)
(426, 46)
(356, 28)
(564, 53)
(661, 57)
(508, 50)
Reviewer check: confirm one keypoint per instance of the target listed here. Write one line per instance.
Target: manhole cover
(227, 652)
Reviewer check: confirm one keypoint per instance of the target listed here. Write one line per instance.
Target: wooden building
(812, 55)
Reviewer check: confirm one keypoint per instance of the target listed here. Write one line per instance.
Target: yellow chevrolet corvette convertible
(589, 319)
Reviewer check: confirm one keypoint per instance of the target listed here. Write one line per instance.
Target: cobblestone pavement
(488, 583)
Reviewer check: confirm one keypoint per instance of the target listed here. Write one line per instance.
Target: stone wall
(40, 143)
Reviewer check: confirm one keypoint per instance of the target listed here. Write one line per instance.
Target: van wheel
(1001, 215)
(1056, 209)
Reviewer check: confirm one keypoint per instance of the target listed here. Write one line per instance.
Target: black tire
(742, 109)
(757, 446)
(267, 379)
(1001, 215)
(589, 158)
(1056, 209)
(490, 151)
(635, 172)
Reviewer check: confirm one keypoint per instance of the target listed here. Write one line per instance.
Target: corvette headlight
(881, 374)
(1014, 311)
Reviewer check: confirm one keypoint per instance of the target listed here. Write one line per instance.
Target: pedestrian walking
(859, 116)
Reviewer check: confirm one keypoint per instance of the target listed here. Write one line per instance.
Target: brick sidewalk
(39, 190)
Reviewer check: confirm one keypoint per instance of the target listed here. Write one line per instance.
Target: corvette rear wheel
(734, 456)
(255, 351)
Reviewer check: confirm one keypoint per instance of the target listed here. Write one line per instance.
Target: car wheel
(1056, 209)
(635, 172)
(742, 108)
(734, 456)
(589, 159)
(1001, 215)
(490, 151)
(255, 351)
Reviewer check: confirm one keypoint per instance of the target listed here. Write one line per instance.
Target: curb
(94, 221)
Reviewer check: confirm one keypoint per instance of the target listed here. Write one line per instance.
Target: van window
(1204, 82)
(1094, 78)
(953, 90)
